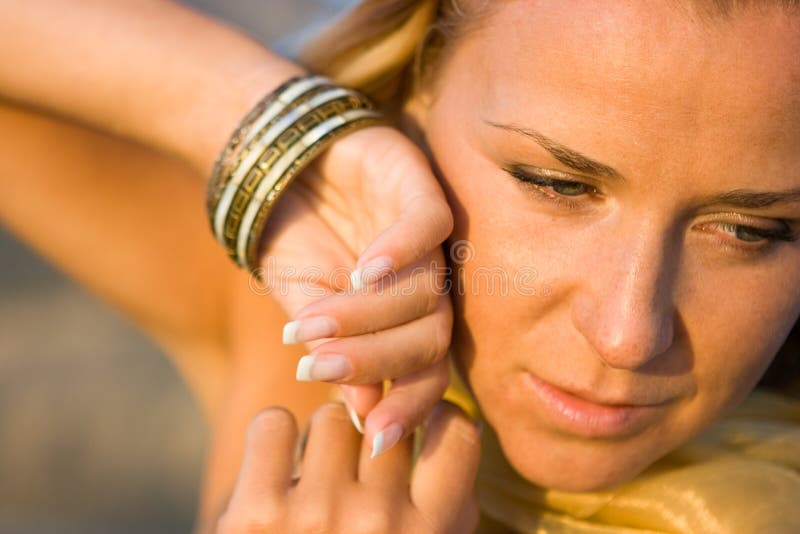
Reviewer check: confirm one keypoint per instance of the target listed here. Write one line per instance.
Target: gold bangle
(276, 136)
(318, 140)
(272, 145)
(272, 162)
(267, 109)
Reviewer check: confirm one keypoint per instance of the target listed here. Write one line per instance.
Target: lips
(593, 398)
(589, 414)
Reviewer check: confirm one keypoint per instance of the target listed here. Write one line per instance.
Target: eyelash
(538, 183)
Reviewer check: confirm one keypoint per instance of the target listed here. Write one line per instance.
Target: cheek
(733, 326)
(496, 270)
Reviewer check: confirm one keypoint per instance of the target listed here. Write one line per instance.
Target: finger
(268, 461)
(360, 400)
(444, 475)
(387, 473)
(423, 220)
(391, 353)
(407, 403)
(332, 448)
(398, 298)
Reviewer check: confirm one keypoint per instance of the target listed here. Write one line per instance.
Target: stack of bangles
(269, 148)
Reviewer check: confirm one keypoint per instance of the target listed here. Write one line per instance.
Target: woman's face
(619, 171)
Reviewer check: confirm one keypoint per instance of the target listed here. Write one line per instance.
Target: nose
(625, 309)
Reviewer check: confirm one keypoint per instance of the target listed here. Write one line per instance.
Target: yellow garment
(740, 476)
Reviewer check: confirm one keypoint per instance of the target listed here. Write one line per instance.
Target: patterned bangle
(273, 144)
(266, 110)
(273, 132)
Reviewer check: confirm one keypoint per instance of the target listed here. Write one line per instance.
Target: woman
(643, 159)
(622, 172)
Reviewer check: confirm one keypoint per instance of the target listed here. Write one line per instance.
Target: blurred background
(97, 432)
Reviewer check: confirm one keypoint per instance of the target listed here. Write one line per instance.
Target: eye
(749, 239)
(565, 188)
(558, 190)
(746, 233)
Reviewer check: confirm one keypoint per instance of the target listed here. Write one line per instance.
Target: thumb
(442, 486)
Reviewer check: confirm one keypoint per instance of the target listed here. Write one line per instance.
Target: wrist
(272, 144)
(223, 102)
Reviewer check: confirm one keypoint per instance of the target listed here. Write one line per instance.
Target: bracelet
(269, 107)
(272, 145)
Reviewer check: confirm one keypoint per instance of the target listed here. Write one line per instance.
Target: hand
(371, 202)
(341, 489)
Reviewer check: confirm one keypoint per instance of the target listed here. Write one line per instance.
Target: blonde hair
(386, 48)
(389, 48)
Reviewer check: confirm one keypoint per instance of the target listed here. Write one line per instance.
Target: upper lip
(592, 396)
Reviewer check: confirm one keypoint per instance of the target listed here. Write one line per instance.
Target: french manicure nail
(386, 439)
(354, 417)
(308, 329)
(312, 367)
(371, 272)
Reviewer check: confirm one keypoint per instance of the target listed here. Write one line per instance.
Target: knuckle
(314, 519)
(443, 332)
(445, 219)
(436, 343)
(331, 411)
(366, 322)
(244, 523)
(464, 430)
(271, 420)
(374, 519)
(440, 343)
(426, 524)
(432, 301)
(418, 249)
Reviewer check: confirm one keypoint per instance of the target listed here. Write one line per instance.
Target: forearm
(261, 375)
(149, 70)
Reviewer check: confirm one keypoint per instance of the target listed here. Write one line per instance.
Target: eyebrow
(571, 158)
(740, 198)
(747, 198)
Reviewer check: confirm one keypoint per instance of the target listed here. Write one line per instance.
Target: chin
(575, 466)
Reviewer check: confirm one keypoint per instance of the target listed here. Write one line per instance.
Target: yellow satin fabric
(740, 476)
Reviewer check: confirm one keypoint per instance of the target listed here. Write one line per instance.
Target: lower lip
(580, 417)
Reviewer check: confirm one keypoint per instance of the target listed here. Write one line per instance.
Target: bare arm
(127, 223)
(150, 70)
(177, 82)
(94, 206)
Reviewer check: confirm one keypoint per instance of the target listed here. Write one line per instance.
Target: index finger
(268, 462)
(423, 219)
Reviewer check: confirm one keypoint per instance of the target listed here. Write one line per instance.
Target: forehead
(631, 48)
(652, 65)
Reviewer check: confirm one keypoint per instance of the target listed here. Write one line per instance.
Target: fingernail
(312, 367)
(371, 272)
(355, 279)
(354, 417)
(308, 329)
(386, 439)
